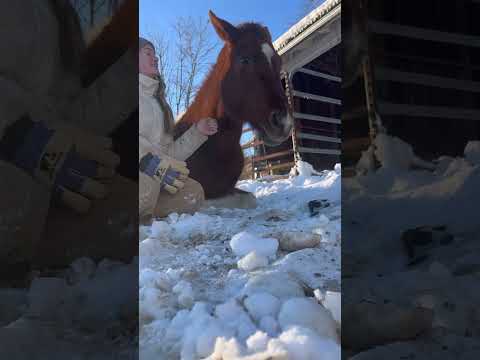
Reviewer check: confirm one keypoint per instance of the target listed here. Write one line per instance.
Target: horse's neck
(208, 102)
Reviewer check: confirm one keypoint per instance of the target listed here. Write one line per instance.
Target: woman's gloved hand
(168, 172)
(72, 163)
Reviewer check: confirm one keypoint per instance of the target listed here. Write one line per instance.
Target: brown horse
(243, 86)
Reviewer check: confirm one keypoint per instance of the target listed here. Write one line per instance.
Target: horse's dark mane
(250, 27)
(115, 38)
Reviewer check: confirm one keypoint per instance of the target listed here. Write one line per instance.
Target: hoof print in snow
(420, 241)
(315, 205)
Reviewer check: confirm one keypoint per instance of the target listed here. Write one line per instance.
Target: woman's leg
(108, 230)
(187, 200)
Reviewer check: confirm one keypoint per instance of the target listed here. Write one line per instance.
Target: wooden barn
(311, 57)
(422, 75)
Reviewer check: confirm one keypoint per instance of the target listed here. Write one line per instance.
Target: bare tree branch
(165, 66)
(184, 62)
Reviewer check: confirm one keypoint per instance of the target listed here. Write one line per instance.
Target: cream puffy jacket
(153, 138)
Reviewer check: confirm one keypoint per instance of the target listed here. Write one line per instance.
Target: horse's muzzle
(278, 128)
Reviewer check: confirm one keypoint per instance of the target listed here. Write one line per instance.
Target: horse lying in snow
(243, 86)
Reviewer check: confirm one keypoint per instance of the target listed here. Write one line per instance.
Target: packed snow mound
(212, 284)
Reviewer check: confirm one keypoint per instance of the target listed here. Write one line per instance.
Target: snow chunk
(307, 313)
(279, 284)
(245, 242)
(338, 168)
(185, 293)
(472, 152)
(81, 269)
(258, 341)
(304, 344)
(269, 325)
(226, 349)
(333, 303)
(393, 152)
(236, 319)
(252, 261)
(149, 247)
(151, 278)
(305, 169)
(45, 296)
(159, 229)
(262, 304)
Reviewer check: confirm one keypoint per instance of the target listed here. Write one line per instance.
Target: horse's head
(251, 89)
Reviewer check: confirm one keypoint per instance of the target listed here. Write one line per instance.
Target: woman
(164, 183)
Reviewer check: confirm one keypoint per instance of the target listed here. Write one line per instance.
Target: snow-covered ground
(257, 283)
(406, 193)
(87, 311)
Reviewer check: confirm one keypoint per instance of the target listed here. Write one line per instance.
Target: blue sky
(278, 15)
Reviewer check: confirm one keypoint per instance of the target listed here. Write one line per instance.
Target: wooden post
(288, 90)
(370, 97)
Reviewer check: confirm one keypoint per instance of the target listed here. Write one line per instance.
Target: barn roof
(306, 25)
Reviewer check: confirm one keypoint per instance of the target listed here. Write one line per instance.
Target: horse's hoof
(238, 200)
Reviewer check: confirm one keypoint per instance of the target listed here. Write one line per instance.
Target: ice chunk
(304, 344)
(45, 296)
(338, 168)
(81, 269)
(278, 284)
(258, 342)
(306, 312)
(252, 261)
(333, 302)
(472, 152)
(262, 304)
(185, 293)
(234, 317)
(159, 229)
(269, 325)
(244, 242)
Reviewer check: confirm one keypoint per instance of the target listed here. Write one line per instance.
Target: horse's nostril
(277, 119)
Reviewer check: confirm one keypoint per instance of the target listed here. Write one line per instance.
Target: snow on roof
(305, 23)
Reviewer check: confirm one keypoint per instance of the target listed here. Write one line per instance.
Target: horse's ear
(224, 29)
(269, 36)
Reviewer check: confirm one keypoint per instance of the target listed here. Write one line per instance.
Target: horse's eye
(244, 60)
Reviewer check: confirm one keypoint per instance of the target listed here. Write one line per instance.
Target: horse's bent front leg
(236, 199)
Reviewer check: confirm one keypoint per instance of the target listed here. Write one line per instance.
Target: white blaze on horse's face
(268, 52)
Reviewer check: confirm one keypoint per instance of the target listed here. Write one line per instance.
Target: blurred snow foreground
(421, 220)
(246, 284)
